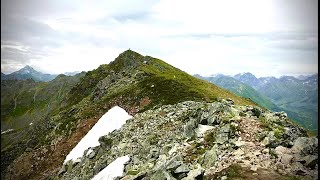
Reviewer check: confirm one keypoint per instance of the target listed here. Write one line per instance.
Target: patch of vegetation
(265, 123)
(273, 153)
(256, 112)
(234, 171)
(242, 114)
(194, 152)
(278, 132)
(152, 139)
(209, 138)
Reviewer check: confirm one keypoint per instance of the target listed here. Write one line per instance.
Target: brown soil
(39, 164)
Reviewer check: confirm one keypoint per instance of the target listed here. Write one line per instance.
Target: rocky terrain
(198, 140)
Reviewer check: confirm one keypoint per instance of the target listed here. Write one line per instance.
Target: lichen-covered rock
(165, 143)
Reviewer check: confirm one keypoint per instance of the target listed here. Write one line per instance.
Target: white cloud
(203, 36)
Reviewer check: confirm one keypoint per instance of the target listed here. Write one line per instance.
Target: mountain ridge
(134, 82)
(138, 84)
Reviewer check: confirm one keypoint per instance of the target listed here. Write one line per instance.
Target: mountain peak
(127, 59)
(129, 52)
(26, 70)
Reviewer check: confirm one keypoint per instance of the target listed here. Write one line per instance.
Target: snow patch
(110, 121)
(113, 170)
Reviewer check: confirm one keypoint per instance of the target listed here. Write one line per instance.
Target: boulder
(195, 173)
(189, 128)
(311, 161)
(284, 154)
(221, 138)
(210, 157)
(305, 145)
(183, 168)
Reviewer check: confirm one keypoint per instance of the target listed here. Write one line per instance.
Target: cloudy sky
(265, 37)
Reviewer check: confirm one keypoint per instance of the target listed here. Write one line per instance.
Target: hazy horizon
(266, 38)
(203, 75)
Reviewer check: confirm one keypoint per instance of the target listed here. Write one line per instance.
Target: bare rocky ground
(197, 140)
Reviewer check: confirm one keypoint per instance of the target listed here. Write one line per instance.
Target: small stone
(255, 174)
(91, 155)
(62, 170)
(254, 168)
(265, 151)
(193, 174)
(224, 177)
(266, 141)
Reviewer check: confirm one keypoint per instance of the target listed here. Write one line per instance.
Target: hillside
(299, 98)
(241, 89)
(132, 81)
(144, 87)
(25, 105)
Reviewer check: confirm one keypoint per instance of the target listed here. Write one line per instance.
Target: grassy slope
(300, 102)
(48, 97)
(243, 90)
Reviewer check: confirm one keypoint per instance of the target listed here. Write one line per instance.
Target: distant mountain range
(297, 97)
(28, 72)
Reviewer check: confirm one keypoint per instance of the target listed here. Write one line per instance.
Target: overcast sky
(265, 37)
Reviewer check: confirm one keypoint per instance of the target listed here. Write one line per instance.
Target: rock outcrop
(199, 140)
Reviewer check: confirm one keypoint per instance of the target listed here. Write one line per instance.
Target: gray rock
(311, 161)
(62, 169)
(173, 165)
(92, 155)
(195, 173)
(266, 141)
(225, 128)
(305, 145)
(221, 138)
(210, 157)
(189, 128)
(182, 169)
(161, 175)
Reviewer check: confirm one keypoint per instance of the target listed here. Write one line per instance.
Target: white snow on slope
(110, 121)
(113, 170)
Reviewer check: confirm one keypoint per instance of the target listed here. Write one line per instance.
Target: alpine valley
(298, 97)
(141, 118)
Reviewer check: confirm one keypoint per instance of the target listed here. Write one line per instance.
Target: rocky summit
(200, 140)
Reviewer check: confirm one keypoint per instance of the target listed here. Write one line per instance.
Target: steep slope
(242, 90)
(132, 81)
(28, 72)
(293, 95)
(25, 105)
